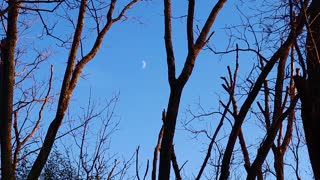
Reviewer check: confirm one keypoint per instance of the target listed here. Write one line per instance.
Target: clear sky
(132, 61)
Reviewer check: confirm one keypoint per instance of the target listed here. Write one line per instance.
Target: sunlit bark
(8, 46)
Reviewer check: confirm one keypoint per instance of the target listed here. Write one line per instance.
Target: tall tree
(177, 83)
(309, 87)
(8, 45)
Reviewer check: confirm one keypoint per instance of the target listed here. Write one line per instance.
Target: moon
(144, 64)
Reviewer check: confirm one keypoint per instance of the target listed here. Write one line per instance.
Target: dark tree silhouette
(309, 87)
(177, 83)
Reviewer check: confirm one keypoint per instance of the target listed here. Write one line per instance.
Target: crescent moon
(144, 64)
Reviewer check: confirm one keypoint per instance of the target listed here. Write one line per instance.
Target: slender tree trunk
(6, 91)
(278, 164)
(177, 84)
(246, 106)
(65, 95)
(169, 130)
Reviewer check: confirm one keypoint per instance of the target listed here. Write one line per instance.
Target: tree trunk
(278, 163)
(309, 90)
(311, 113)
(284, 49)
(6, 92)
(177, 84)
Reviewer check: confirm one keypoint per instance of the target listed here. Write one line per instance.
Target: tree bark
(247, 104)
(279, 164)
(177, 84)
(8, 46)
(264, 148)
(309, 89)
(169, 130)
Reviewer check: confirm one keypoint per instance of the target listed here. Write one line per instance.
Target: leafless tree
(177, 83)
(273, 91)
(92, 159)
(281, 54)
(103, 16)
(308, 87)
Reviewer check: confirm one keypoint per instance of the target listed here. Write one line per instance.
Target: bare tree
(92, 160)
(103, 17)
(177, 84)
(275, 89)
(308, 87)
(281, 53)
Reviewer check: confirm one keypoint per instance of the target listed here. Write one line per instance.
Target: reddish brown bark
(8, 46)
(273, 129)
(63, 100)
